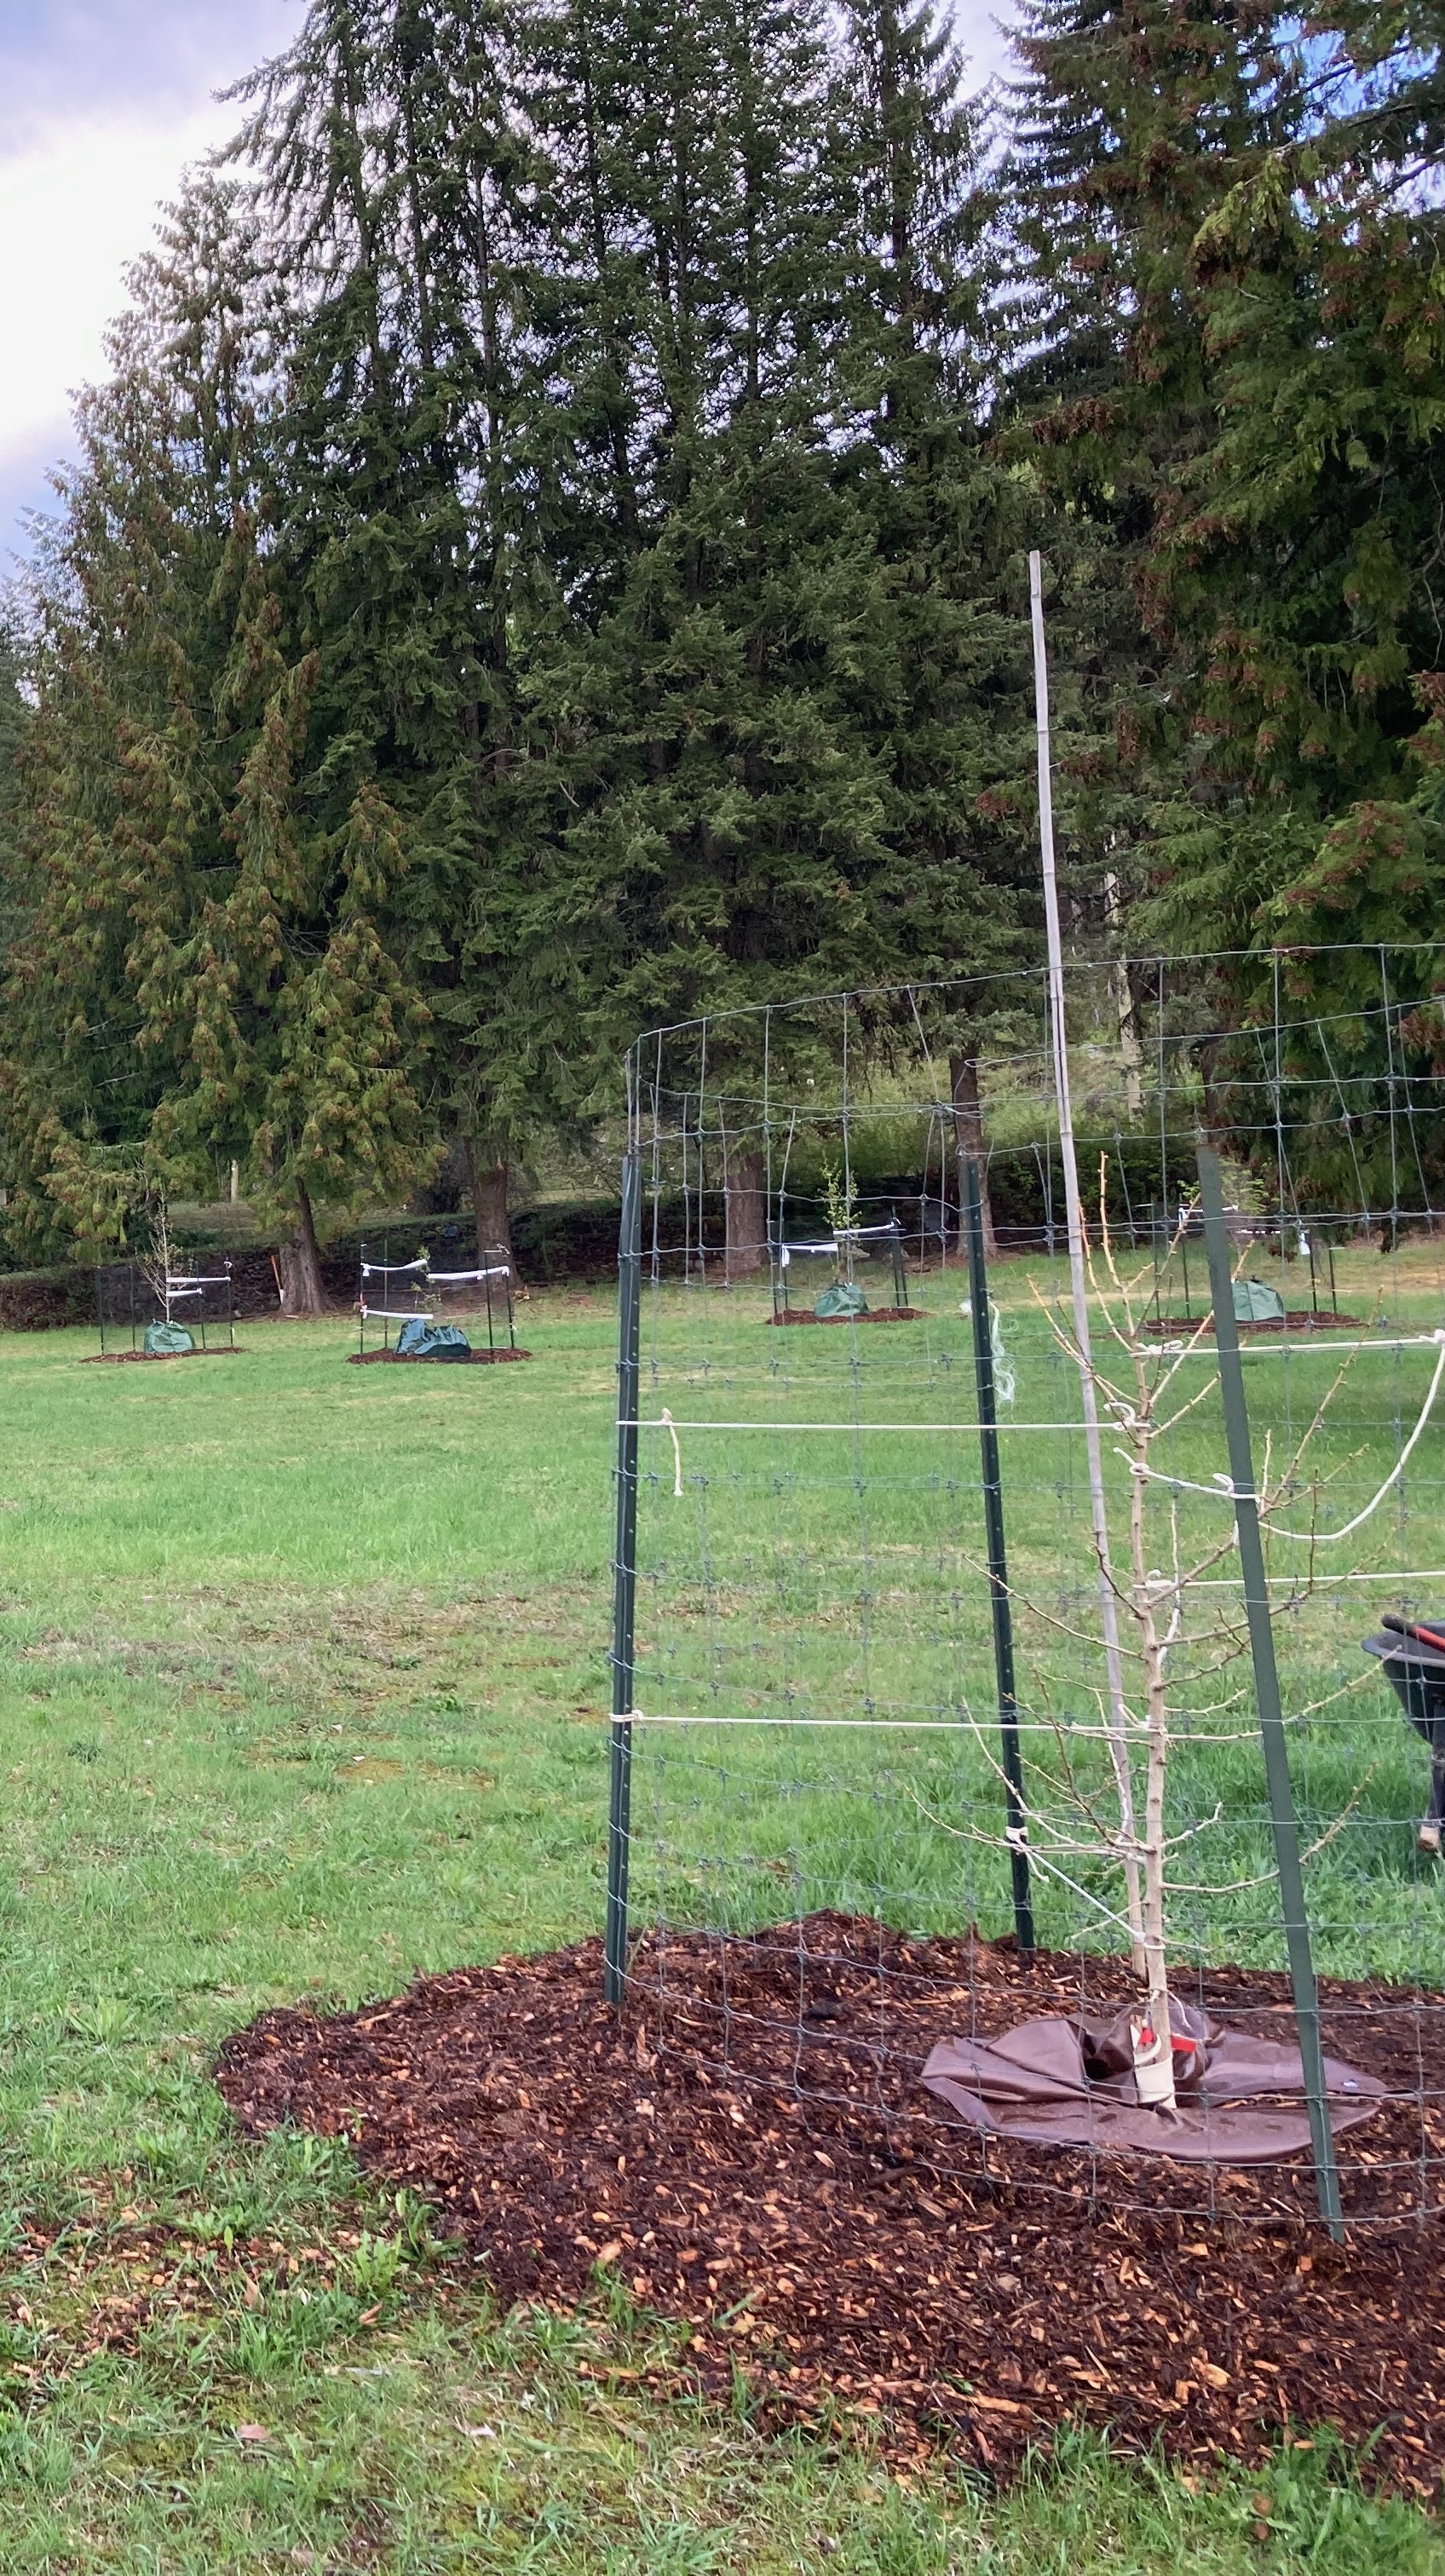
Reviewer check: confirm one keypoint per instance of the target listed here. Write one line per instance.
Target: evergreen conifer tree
(1130, 124)
(945, 701)
(1297, 558)
(779, 723)
(216, 960)
(394, 168)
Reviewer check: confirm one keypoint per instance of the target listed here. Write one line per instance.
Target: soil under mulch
(750, 2147)
(875, 1315)
(220, 1351)
(414, 1359)
(1300, 1319)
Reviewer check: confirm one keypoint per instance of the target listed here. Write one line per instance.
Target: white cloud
(79, 191)
(77, 207)
(102, 105)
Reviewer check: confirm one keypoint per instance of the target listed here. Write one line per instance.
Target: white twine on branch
(1222, 1488)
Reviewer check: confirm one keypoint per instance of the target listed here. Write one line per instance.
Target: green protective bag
(843, 1298)
(166, 1341)
(1254, 1303)
(419, 1340)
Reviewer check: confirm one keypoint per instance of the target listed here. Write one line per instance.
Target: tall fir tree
(1129, 126)
(14, 726)
(779, 724)
(1298, 556)
(393, 168)
(1297, 562)
(708, 812)
(215, 965)
(945, 702)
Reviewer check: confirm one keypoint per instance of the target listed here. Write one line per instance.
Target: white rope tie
(669, 1425)
(1005, 1375)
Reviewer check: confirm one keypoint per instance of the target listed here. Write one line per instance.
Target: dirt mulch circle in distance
(875, 1315)
(115, 1359)
(1300, 1319)
(750, 2147)
(414, 1359)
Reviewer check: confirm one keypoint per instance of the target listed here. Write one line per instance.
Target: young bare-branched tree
(1161, 1580)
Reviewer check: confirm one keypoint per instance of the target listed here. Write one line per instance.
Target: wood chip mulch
(875, 1315)
(749, 2146)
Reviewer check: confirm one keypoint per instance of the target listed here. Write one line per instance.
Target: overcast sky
(102, 103)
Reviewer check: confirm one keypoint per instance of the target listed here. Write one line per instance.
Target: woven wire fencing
(193, 1291)
(898, 1760)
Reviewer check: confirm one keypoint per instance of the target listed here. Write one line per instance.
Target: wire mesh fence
(165, 1306)
(826, 1861)
(417, 1308)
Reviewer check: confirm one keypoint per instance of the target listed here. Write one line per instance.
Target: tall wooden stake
(1113, 1663)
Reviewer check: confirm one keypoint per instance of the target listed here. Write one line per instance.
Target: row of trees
(549, 558)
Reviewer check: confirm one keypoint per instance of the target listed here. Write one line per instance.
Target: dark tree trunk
(1216, 1117)
(747, 1217)
(487, 1186)
(968, 1134)
(299, 1262)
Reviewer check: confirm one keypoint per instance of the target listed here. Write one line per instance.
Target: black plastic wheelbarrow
(1415, 1668)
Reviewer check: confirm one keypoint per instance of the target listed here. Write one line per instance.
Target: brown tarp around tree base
(1031, 2082)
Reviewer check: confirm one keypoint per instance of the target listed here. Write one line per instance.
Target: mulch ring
(750, 2147)
(875, 1315)
(218, 1351)
(414, 1359)
(1300, 1319)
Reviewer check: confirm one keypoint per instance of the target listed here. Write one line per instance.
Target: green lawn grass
(305, 1690)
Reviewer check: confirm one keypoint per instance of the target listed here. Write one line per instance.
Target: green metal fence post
(998, 1591)
(1266, 1688)
(624, 1575)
